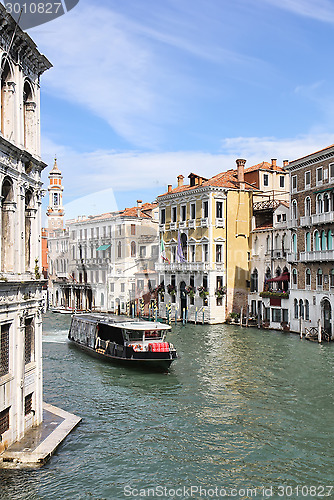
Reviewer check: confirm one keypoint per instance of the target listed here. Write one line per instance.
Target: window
(285, 315)
(284, 217)
(329, 240)
(331, 170)
(155, 251)
(133, 229)
(219, 253)
(323, 240)
(301, 309)
(140, 284)
(205, 209)
(28, 404)
(279, 216)
(268, 244)
(192, 253)
(331, 278)
(183, 212)
(294, 277)
(163, 216)
(205, 252)
(319, 175)
(254, 281)
(142, 252)
(219, 209)
(4, 349)
(326, 202)
(112, 287)
(294, 183)
(317, 241)
(294, 243)
(174, 214)
(98, 232)
(4, 421)
(295, 307)
(173, 250)
(133, 249)
(281, 181)
(319, 279)
(307, 206)
(55, 199)
(119, 250)
(276, 315)
(265, 180)
(308, 278)
(307, 180)
(28, 340)
(122, 287)
(294, 209)
(308, 242)
(193, 211)
(307, 309)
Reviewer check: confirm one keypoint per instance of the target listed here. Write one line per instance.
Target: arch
(7, 98)
(316, 237)
(184, 245)
(268, 273)
(183, 298)
(119, 250)
(294, 209)
(294, 243)
(301, 308)
(295, 307)
(254, 281)
(308, 277)
(326, 202)
(277, 242)
(7, 225)
(319, 278)
(307, 309)
(268, 244)
(278, 271)
(329, 240)
(308, 242)
(294, 277)
(326, 315)
(323, 240)
(29, 107)
(307, 206)
(319, 204)
(256, 243)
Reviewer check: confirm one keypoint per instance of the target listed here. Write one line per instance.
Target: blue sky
(142, 91)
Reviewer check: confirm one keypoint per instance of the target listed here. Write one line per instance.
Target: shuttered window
(28, 404)
(4, 421)
(28, 341)
(4, 346)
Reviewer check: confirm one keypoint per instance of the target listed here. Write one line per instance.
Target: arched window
(119, 250)
(308, 242)
(329, 240)
(294, 277)
(277, 242)
(7, 226)
(323, 240)
(29, 117)
(308, 278)
(184, 241)
(319, 278)
(294, 209)
(307, 206)
(256, 243)
(133, 249)
(331, 278)
(294, 243)
(268, 244)
(319, 204)
(326, 202)
(284, 246)
(317, 241)
(254, 281)
(268, 274)
(29, 216)
(295, 304)
(301, 309)
(307, 309)
(278, 272)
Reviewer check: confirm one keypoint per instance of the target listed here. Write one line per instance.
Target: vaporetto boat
(141, 344)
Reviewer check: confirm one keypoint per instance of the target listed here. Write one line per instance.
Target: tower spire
(55, 211)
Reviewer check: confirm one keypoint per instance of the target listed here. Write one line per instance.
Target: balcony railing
(292, 257)
(323, 218)
(279, 254)
(182, 224)
(173, 226)
(292, 223)
(220, 222)
(306, 220)
(192, 224)
(317, 256)
(182, 266)
(205, 222)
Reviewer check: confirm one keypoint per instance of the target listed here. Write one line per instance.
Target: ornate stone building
(20, 243)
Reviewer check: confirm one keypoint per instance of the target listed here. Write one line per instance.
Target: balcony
(205, 222)
(220, 222)
(292, 257)
(192, 224)
(173, 226)
(323, 218)
(292, 223)
(279, 254)
(317, 256)
(182, 266)
(306, 221)
(182, 224)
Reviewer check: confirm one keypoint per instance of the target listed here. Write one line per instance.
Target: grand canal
(240, 409)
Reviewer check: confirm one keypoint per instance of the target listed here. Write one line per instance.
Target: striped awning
(103, 247)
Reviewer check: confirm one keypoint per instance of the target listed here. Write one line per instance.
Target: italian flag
(163, 251)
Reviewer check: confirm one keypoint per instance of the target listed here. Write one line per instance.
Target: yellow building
(205, 227)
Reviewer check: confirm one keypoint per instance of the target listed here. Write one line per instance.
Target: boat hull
(158, 362)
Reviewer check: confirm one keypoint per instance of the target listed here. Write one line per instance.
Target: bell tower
(55, 211)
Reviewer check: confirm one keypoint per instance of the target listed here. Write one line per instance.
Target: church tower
(55, 211)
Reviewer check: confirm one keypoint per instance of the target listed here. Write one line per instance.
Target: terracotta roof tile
(263, 166)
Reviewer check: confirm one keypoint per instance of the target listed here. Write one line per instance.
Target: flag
(179, 252)
(163, 251)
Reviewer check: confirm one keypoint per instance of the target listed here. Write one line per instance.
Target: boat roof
(128, 323)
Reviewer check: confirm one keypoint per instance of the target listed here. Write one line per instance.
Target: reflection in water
(240, 408)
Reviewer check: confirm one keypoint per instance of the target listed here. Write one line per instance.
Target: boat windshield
(133, 335)
(154, 334)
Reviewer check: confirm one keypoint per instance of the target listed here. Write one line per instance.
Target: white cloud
(321, 10)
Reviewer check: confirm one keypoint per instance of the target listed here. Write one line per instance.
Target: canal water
(240, 409)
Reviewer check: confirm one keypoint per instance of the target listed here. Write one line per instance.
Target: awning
(283, 277)
(324, 190)
(103, 247)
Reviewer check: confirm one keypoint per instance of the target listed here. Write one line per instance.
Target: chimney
(200, 181)
(240, 172)
(274, 164)
(285, 163)
(169, 188)
(139, 204)
(180, 180)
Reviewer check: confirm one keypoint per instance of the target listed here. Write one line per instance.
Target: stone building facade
(20, 243)
(312, 250)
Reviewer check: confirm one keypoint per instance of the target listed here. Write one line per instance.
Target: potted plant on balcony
(171, 289)
(203, 292)
(220, 292)
(160, 289)
(191, 291)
